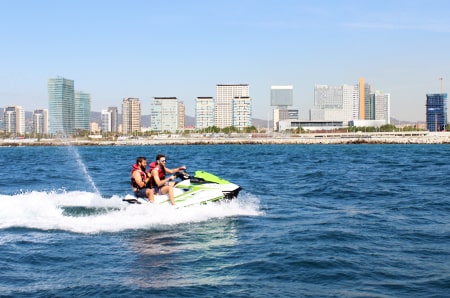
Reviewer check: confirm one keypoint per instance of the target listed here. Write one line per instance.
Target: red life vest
(135, 167)
(161, 173)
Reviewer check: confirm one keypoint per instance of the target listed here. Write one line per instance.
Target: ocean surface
(311, 221)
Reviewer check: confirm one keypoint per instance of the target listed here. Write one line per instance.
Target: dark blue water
(311, 221)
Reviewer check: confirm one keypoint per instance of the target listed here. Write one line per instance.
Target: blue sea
(310, 221)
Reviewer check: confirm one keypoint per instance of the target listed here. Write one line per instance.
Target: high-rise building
(106, 121)
(242, 112)
(61, 104)
(333, 103)
(364, 99)
(82, 111)
(181, 115)
(40, 121)
(223, 109)
(165, 114)
(109, 120)
(131, 116)
(378, 107)
(204, 112)
(436, 111)
(281, 97)
(14, 120)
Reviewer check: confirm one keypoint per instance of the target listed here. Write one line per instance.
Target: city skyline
(184, 49)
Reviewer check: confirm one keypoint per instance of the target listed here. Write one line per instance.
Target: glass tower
(436, 111)
(82, 111)
(61, 102)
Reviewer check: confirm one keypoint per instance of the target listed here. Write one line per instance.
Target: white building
(14, 120)
(223, 109)
(382, 106)
(40, 121)
(204, 112)
(242, 112)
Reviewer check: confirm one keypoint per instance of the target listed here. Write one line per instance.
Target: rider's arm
(158, 181)
(137, 178)
(172, 171)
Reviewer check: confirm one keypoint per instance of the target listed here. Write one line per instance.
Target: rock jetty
(418, 137)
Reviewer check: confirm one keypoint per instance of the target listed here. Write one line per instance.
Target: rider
(140, 180)
(161, 184)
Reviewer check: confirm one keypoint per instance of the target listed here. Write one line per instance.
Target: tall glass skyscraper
(61, 104)
(82, 111)
(436, 111)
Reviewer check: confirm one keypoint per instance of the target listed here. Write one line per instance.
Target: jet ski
(202, 188)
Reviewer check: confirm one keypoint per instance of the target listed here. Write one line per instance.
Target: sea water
(311, 221)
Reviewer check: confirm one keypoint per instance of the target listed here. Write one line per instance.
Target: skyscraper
(436, 111)
(14, 120)
(281, 97)
(40, 121)
(332, 103)
(223, 109)
(82, 111)
(378, 107)
(204, 112)
(131, 116)
(110, 120)
(166, 114)
(242, 112)
(61, 104)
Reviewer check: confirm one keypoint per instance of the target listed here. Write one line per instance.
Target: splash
(83, 168)
(87, 213)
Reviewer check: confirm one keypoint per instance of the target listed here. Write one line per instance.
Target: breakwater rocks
(420, 137)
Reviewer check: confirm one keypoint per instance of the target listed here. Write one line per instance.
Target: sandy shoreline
(325, 138)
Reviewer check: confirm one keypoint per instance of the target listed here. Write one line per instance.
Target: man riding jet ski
(201, 188)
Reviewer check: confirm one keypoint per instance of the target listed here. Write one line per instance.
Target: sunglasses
(163, 160)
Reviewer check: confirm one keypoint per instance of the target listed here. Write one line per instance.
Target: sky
(116, 49)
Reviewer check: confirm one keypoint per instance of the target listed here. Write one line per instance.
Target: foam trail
(86, 212)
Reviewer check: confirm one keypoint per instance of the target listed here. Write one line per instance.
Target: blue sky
(116, 49)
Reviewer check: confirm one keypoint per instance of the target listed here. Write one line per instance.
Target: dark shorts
(141, 193)
(157, 190)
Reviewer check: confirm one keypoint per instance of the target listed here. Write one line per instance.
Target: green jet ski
(202, 188)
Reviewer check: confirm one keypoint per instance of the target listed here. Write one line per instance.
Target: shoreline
(422, 137)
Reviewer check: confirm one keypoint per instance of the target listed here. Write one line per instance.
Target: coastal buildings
(131, 115)
(109, 119)
(282, 97)
(167, 114)
(347, 103)
(14, 120)
(436, 111)
(61, 105)
(242, 112)
(82, 111)
(40, 121)
(204, 112)
(226, 94)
